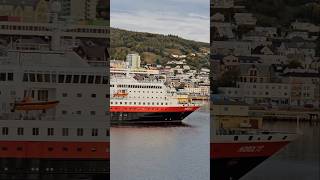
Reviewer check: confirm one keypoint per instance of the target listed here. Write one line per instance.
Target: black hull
(148, 116)
(54, 169)
(233, 168)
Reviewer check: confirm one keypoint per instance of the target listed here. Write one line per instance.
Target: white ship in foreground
(146, 100)
(53, 108)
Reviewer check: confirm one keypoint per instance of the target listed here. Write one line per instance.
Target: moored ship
(146, 100)
(53, 117)
(238, 143)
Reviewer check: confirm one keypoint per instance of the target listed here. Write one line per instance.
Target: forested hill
(283, 12)
(157, 48)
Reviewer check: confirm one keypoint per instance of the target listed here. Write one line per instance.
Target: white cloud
(187, 25)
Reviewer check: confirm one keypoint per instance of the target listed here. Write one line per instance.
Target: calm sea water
(162, 153)
(300, 160)
(182, 152)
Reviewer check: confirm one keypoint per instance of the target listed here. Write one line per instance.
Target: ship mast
(55, 8)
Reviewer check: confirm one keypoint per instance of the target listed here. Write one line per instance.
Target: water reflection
(162, 152)
(299, 160)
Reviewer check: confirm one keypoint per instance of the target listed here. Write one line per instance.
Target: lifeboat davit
(28, 105)
(120, 94)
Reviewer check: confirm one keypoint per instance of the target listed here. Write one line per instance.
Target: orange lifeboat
(27, 105)
(120, 94)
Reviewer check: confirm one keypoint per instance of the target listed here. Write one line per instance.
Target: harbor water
(300, 160)
(162, 152)
(182, 152)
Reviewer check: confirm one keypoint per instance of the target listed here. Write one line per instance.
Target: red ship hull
(234, 160)
(150, 113)
(50, 160)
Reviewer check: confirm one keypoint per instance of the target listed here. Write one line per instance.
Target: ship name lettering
(251, 149)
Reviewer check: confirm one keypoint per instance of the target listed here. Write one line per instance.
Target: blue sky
(186, 18)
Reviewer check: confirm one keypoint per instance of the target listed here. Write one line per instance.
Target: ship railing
(95, 63)
(30, 46)
(239, 131)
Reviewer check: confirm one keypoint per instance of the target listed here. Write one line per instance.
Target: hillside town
(176, 74)
(275, 67)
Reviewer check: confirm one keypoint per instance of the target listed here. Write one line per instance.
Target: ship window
(92, 112)
(107, 96)
(111, 102)
(76, 79)
(50, 148)
(235, 138)
(3, 76)
(284, 137)
(270, 137)
(79, 149)
(25, 77)
(5, 131)
(83, 79)
(64, 94)
(79, 112)
(107, 132)
(93, 95)
(20, 131)
(39, 78)
(90, 79)
(94, 132)
(10, 76)
(47, 78)
(61, 78)
(68, 78)
(50, 131)
(43, 95)
(4, 148)
(250, 138)
(19, 148)
(79, 95)
(53, 78)
(105, 80)
(98, 80)
(80, 132)
(35, 131)
(134, 103)
(65, 132)
(64, 149)
(32, 77)
(64, 112)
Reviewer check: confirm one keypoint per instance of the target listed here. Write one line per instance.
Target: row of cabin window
(62, 78)
(79, 95)
(50, 131)
(146, 91)
(26, 28)
(19, 148)
(139, 103)
(64, 112)
(86, 30)
(6, 76)
(136, 86)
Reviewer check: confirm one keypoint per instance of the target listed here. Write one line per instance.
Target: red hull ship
(238, 143)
